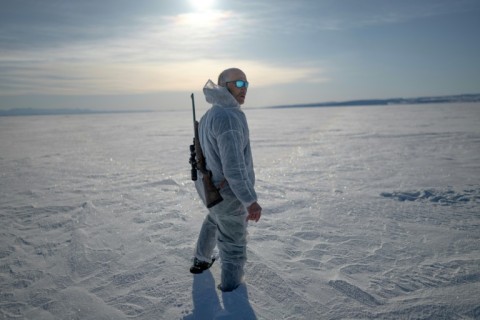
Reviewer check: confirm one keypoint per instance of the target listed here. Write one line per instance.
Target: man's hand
(254, 212)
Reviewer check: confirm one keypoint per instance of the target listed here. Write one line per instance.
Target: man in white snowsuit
(224, 137)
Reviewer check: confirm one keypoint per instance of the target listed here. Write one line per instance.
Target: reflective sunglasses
(240, 83)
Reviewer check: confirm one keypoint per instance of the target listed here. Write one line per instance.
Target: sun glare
(203, 15)
(202, 5)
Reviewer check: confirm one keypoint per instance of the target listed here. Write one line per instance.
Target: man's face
(238, 93)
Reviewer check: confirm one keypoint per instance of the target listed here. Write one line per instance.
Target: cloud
(174, 50)
(156, 53)
(292, 17)
(116, 78)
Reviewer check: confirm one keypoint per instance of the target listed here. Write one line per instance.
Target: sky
(150, 55)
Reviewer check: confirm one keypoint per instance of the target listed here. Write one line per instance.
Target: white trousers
(225, 226)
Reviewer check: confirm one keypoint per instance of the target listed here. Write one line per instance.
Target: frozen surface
(369, 212)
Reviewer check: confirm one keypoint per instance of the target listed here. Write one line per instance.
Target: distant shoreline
(57, 112)
(462, 98)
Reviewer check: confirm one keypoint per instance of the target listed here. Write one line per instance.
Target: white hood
(217, 95)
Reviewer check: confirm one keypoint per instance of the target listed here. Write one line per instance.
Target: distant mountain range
(370, 102)
(44, 112)
(392, 101)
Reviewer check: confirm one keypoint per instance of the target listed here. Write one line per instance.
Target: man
(224, 137)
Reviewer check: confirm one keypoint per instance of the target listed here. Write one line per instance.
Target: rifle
(198, 162)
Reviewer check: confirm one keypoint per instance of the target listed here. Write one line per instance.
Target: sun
(202, 5)
(204, 15)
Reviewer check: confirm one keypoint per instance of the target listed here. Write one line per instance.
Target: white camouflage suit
(224, 137)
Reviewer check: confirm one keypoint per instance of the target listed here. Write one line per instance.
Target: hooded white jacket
(224, 137)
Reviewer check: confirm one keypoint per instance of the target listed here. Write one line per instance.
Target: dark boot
(200, 266)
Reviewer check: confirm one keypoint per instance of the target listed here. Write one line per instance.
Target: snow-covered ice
(369, 213)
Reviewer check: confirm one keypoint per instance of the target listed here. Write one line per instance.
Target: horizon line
(462, 98)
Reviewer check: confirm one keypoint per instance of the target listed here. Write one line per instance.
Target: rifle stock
(212, 195)
(198, 161)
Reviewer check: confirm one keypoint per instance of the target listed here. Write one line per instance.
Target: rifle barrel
(193, 108)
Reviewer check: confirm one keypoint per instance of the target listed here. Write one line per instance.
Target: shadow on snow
(206, 303)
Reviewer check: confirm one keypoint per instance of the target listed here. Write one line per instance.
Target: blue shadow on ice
(444, 197)
(237, 305)
(206, 303)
